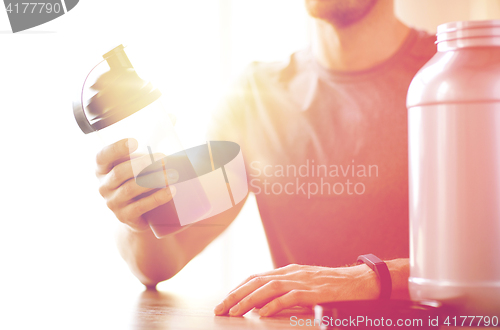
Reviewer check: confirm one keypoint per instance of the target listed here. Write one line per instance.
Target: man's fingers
(291, 299)
(263, 295)
(125, 193)
(132, 213)
(127, 170)
(109, 155)
(238, 294)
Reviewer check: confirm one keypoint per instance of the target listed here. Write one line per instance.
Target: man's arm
(301, 285)
(154, 260)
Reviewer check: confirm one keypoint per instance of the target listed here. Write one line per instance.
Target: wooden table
(161, 310)
(82, 308)
(119, 307)
(110, 307)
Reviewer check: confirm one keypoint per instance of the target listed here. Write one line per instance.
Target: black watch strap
(380, 268)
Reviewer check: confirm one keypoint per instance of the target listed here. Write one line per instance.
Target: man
(324, 137)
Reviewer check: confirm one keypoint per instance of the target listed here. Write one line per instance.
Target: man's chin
(340, 13)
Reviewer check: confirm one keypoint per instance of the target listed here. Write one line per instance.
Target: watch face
(370, 259)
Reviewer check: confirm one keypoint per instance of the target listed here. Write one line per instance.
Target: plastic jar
(454, 170)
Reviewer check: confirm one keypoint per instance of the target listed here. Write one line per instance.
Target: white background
(56, 235)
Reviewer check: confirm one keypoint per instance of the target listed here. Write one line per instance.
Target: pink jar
(454, 170)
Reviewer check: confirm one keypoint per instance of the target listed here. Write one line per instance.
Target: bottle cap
(120, 93)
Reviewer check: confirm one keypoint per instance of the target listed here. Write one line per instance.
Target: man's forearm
(150, 259)
(153, 260)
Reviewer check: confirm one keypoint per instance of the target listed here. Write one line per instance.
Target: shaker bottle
(454, 170)
(126, 106)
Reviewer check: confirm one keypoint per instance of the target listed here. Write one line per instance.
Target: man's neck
(361, 45)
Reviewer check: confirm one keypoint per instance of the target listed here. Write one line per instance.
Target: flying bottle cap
(120, 93)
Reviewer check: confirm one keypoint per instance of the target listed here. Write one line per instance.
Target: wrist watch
(380, 268)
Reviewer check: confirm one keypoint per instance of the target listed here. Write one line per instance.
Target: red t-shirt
(326, 153)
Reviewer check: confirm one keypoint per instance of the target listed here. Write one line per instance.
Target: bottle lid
(461, 34)
(120, 93)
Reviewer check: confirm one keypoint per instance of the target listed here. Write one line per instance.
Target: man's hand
(123, 196)
(298, 285)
